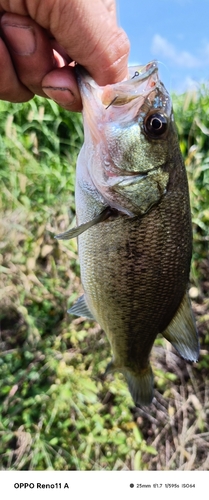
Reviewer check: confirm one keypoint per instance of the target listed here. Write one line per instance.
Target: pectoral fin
(80, 308)
(182, 331)
(73, 233)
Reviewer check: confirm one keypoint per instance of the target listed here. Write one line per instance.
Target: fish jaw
(116, 143)
(98, 111)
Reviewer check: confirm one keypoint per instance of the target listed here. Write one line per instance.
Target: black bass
(134, 224)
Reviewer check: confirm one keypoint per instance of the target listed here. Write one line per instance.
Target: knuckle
(114, 60)
(119, 48)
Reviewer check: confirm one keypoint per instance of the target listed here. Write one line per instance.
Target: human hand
(40, 38)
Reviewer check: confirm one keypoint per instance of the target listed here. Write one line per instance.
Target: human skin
(40, 40)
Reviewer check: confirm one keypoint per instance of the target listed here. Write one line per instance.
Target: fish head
(129, 131)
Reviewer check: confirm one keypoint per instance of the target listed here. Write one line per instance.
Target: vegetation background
(55, 410)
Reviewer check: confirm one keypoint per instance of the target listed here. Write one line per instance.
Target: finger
(11, 89)
(86, 31)
(30, 50)
(91, 37)
(61, 86)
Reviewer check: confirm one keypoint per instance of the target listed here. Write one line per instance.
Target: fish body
(134, 224)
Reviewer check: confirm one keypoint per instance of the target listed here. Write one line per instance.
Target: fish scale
(128, 287)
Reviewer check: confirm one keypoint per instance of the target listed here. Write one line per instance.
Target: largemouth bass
(134, 224)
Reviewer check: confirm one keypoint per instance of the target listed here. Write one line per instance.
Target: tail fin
(140, 385)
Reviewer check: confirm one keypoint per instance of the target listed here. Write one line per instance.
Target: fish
(133, 224)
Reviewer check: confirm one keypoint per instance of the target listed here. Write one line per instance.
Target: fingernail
(62, 95)
(21, 39)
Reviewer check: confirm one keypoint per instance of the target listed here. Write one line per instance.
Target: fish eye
(155, 125)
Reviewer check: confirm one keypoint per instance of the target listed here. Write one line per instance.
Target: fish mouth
(141, 80)
(142, 72)
(138, 73)
(120, 102)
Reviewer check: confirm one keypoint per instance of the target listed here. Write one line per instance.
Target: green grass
(55, 410)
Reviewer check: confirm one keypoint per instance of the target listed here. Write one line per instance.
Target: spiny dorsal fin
(75, 231)
(182, 331)
(80, 308)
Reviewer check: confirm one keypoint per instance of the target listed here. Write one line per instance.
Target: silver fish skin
(134, 224)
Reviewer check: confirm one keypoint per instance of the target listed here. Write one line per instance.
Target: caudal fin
(140, 385)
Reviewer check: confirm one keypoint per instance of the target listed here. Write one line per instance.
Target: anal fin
(182, 331)
(80, 308)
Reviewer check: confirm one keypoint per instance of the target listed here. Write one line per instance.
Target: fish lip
(140, 81)
(136, 74)
(150, 68)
